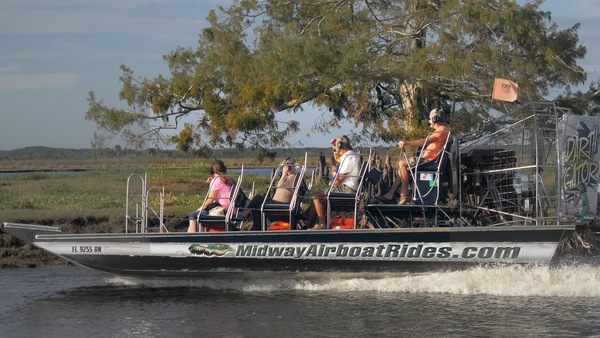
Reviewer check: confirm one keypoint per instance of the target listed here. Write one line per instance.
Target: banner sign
(505, 90)
(580, 157)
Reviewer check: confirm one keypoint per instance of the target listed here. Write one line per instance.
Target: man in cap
(431, 145)
(345, 180)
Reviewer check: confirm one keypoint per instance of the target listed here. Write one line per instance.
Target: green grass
(103, 191)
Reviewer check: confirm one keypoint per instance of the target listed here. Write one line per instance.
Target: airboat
(511, 195)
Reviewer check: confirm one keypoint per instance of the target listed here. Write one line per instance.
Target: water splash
(567, 281)
(581, 281)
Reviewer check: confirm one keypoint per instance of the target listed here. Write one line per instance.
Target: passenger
(335, 162)
(283, 194)
(345, 180)
(218, 198)
(433, 144)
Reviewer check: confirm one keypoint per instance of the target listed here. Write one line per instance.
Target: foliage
(583, 103)
(379, 64)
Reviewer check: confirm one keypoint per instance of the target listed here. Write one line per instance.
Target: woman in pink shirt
(218, 195)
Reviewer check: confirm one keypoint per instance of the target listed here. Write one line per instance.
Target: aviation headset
(437, 118)
(290, 162)
(343, 143)
(220, 166)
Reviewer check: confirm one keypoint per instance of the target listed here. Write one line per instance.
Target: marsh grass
(103, 192)
(89, 196)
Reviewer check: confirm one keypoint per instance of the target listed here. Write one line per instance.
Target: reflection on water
(508, 301)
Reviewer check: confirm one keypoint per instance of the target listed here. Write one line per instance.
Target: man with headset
(432, 145)
(345, 180)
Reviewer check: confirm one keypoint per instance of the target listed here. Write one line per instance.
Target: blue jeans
(194, 214)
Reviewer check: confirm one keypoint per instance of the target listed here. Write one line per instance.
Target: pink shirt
(223, 191)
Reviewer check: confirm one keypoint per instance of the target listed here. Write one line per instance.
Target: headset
(291, 164)
(220, 167)
(343, 145)
(437, 118)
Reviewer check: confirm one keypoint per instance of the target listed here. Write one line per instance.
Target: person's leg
(403, 174)
(203, 212)
(312, 214)
(319, 207)
(193, 224)
(399, 181)
(389, 195)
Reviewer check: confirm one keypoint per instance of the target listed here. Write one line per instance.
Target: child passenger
(217, 200)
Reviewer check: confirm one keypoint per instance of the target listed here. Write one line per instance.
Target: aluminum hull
(376, 251)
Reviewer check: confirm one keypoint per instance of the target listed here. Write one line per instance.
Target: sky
(53, 52)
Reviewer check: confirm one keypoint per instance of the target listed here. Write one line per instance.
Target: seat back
(432, 179)
(349, 203)
(280, 212)
(238, 200)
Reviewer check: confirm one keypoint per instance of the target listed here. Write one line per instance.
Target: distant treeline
(47, 153)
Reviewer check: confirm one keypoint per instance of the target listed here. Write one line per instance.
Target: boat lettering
(491, 252)
(86, 249)
(381, 251)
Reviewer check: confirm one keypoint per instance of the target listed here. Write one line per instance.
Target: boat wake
(518, 281)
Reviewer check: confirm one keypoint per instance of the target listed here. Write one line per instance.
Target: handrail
(364, 168)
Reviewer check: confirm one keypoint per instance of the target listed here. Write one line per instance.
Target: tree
(380, 64)
(587, 103)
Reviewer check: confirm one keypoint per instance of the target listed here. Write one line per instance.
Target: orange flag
(505, 90)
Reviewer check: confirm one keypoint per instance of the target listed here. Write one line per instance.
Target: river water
(481, 302)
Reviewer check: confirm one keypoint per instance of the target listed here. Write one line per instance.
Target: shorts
(342, 188)
(194, 214)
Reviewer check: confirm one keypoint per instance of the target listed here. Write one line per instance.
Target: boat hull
(376, 251)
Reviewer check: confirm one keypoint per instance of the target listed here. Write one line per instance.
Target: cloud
(60, 80)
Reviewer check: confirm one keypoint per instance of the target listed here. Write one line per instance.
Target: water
(498, 302)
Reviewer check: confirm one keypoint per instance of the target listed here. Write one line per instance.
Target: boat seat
(227, 222)
(433, 179)
(349, 203)
(285, 212)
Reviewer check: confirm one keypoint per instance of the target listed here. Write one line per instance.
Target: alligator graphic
(210, 249)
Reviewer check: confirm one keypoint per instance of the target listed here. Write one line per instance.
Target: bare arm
(284, 174)
(339, 178)
(416, 143)
(209, 199)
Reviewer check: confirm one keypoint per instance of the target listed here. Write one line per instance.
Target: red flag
(505, 90)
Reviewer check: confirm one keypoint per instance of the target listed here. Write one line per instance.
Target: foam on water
(567, 281)
(582, 281)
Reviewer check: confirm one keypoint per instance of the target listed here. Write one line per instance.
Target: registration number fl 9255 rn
(86, 249)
